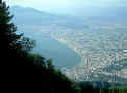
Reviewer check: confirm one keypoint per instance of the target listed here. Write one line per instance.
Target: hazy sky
(66, 5)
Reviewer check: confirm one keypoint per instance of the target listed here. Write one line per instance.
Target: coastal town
(101, 49)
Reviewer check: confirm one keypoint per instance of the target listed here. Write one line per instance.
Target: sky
(64, 6)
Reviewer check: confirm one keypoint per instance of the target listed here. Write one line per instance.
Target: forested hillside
(24, 71)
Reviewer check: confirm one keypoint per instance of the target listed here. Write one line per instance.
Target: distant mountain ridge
(32, 16)
(105, 14)
(26, 15)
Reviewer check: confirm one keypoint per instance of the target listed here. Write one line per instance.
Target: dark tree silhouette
(25, 72)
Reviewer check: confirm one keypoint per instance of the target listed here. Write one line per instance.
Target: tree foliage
(23, 71)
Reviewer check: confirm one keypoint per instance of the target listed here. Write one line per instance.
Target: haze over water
(69, 7)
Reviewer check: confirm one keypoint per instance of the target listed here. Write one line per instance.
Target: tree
(8, 34)
(23, 71)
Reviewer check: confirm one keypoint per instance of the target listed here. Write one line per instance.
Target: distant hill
(30, 16)
(26, 15)
(105, 14)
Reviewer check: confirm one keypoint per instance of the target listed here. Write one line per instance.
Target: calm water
(60, 53)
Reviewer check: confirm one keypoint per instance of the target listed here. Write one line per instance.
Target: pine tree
(18, 67)
(25, 72)
(8, 37)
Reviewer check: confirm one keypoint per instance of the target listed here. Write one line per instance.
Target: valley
(102, 45)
